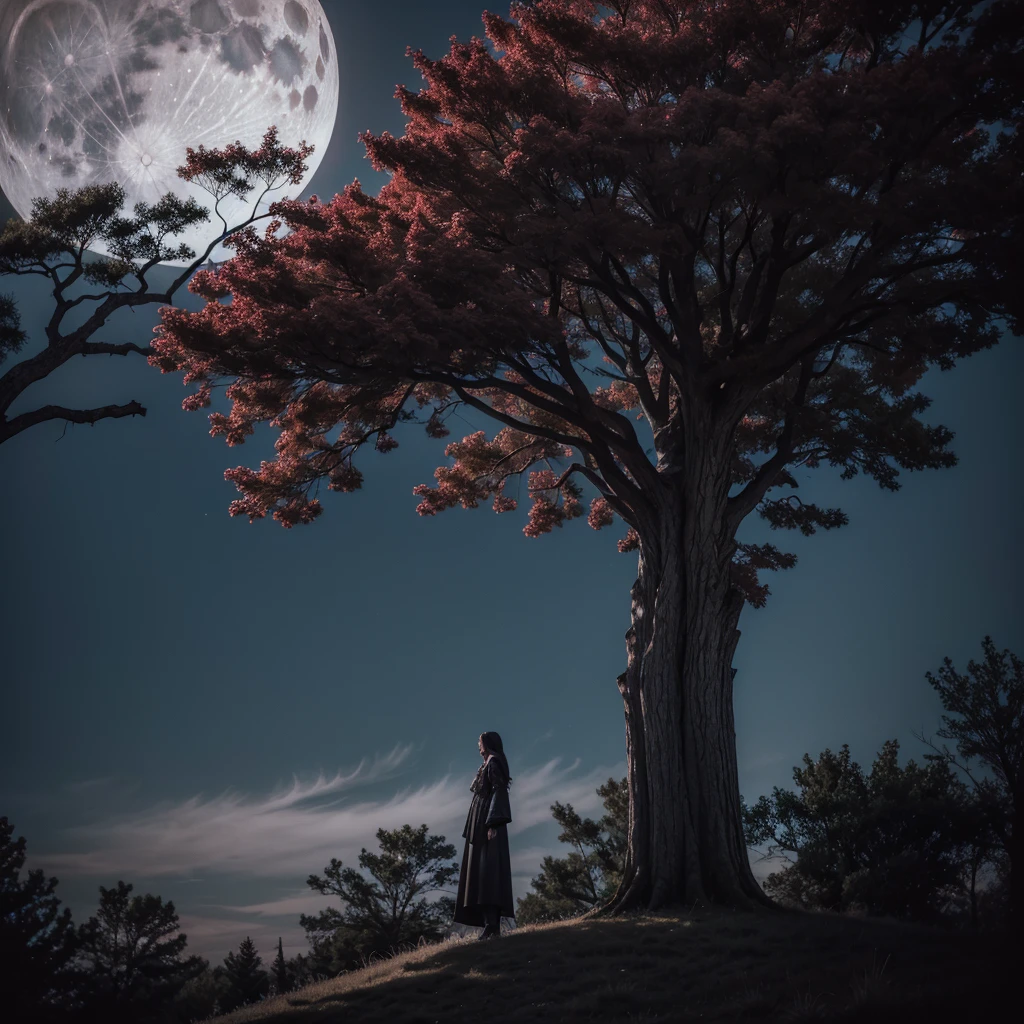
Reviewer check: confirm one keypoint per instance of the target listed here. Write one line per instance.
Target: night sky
(211, 710)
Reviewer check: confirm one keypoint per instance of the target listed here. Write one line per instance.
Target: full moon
(93, 91)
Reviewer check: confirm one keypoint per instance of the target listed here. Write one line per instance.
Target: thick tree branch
(36, 368)
(9, 428)
(742, 504)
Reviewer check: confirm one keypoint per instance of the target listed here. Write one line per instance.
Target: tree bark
(685, 838)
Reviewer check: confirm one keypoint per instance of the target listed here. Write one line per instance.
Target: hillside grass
(714, 965)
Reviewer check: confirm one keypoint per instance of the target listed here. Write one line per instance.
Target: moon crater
(115, 90)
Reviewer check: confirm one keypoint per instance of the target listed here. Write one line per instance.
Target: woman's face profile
(483, 749)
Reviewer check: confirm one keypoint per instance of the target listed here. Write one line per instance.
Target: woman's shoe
(492, 921)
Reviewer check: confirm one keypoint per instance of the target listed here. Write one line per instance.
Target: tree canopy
(788, 211)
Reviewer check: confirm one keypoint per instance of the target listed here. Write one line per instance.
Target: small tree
(134, 954)
(54, 245)
(37, 938)
(986, 721)
(589, 875)
(279, 969)
(248, 982)
(893, 841)
(390, 907)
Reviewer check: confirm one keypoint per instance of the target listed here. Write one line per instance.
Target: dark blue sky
(169, 671)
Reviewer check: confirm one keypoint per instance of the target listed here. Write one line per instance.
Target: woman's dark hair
(492, 743)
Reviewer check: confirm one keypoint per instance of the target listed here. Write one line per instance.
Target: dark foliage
(896, 841)
(37, 938)
(55, 244)
(247, 981)
(986, 723)
(279, 969)
(201, 998)
(589, 875)
(133, 955)
(388, 909)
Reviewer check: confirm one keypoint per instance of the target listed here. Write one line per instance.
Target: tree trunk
(685, 839)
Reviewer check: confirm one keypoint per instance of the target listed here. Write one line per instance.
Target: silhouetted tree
(54, 245)
(279, 969)
(590, 874)
(387, 909)
(979, 893)
(334, 946)
(893, 841)
(248, 982)
(37, 938)
(306, 969)
(133, 952)
(201, 998)
(672, 253)
(986, 721)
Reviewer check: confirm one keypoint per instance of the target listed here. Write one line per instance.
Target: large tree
(89, 290)
(674, 250)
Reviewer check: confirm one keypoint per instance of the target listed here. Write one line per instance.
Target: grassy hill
(703, 966)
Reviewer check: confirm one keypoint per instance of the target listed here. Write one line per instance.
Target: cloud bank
(297, 829)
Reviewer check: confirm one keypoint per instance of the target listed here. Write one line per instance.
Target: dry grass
(704, 966)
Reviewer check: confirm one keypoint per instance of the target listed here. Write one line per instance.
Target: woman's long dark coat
(486, 875)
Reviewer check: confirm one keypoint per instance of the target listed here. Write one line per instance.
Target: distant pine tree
(37, 938)
(279, 968)
(387, 910)
(244, 971)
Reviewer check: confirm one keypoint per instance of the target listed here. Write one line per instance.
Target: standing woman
(485, 881)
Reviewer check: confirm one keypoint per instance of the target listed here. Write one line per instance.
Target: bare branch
(8, 428)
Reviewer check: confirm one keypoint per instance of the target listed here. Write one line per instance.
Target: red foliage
(750, 226)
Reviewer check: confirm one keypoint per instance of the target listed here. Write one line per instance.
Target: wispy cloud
(298, 829)
(286, 906)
